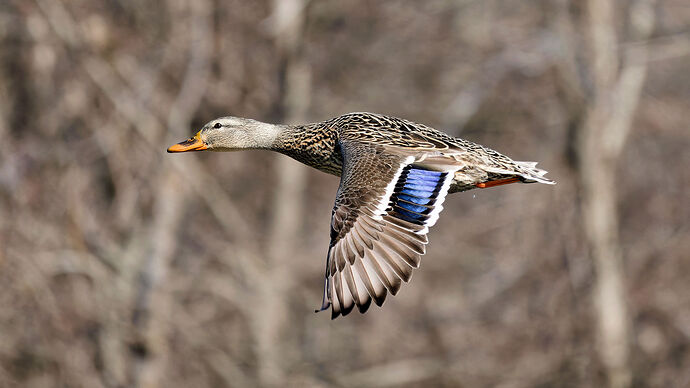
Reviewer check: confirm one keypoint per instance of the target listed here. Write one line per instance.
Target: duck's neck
(258, 135)
(312, 144)
(282, 136)
(289, 139)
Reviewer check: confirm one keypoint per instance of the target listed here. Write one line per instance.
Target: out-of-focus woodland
(122, 265)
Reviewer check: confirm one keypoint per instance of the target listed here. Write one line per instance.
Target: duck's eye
(217, 125)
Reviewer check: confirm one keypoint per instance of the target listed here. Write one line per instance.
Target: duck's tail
(530, 173)
(525, 172)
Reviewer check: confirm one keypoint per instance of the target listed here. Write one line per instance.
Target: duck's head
(230, 134)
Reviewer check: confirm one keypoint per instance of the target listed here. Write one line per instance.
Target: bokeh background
(124, 266)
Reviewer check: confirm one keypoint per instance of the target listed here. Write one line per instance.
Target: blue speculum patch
(412, 207)
(417, 200)
(425, 186)
(415, 194)
(418, 193)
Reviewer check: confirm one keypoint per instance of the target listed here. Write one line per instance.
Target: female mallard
(394, 176)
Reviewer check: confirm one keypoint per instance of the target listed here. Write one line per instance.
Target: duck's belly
(466, 179)
(330, 164)
(330, 168)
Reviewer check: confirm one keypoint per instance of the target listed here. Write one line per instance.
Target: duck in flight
(394, 176)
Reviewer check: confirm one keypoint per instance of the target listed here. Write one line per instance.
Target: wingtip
(380, 299)
(365, 306)
(324, 306)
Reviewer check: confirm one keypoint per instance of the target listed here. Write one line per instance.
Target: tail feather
(527, 171)
(531, 174)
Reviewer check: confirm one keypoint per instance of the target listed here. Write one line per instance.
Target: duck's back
(319, 145)
(392, 131)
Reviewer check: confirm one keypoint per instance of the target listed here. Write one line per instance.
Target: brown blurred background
(124, 266)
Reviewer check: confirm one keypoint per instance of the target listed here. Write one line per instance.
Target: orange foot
(499, 182)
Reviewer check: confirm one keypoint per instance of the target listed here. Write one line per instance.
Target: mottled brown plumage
(395, 175)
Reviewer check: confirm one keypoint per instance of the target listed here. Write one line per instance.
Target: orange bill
(191, 144)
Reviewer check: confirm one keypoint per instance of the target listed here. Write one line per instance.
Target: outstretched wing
(385, 205)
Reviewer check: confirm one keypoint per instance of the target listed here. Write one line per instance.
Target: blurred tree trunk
(153, 305)
(617, 84)
(271, 320)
